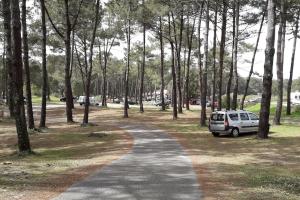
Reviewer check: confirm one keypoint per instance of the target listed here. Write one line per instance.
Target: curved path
(157, 168)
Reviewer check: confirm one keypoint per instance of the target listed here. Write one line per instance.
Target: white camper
(295, 98)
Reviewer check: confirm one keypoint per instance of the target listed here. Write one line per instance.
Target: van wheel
(235, 132)
(215, 134)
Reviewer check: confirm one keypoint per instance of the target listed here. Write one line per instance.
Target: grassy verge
(236, 168)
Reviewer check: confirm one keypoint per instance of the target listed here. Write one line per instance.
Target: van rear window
(217, 117)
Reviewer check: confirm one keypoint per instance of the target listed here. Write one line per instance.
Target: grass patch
(268, 179)
(38, 100)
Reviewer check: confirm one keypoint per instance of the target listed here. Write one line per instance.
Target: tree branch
(76, 16)
(53, 25)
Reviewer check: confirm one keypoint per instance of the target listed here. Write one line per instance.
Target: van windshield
(217, 117)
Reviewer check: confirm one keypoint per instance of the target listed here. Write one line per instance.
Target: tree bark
(222, 51)
(280, 55)
(199, 49)
(229, 83)
(90, 66)
(268, 74)
(205, 68)
(68, 86)
(44, 67)
(19, 109)
(26, 67)
(127, 70)
(4, 73)
(174, 92)
(290, 82)
(253, 61)
(187, 80)
(235, 52)
(162, 86)
(143, 64)
(214, 58)
(8, 60)
(104, 73)
(178, 44)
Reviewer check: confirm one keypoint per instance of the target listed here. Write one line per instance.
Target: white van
(82, 100)
(295, 98)
(233, 122)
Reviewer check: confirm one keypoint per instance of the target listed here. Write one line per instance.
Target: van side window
(253, 116)
(234, 117)
(244, 116)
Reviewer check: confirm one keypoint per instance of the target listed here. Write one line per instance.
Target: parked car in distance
(116, 100)
(132, 102)
(63, 99)
(295, 98)
(195, 101)
(93, 101)
(256, 100)
(159, 103)
(208, 103)
(233, 122)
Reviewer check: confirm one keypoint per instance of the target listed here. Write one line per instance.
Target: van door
(217, 122)
(245, 125)
(254, 122)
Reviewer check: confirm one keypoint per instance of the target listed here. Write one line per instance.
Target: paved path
(157, 168)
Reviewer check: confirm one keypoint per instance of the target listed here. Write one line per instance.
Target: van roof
(228, 111)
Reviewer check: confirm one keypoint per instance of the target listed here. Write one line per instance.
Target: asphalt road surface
(157, 168)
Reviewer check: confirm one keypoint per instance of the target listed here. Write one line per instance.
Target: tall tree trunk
(222, 51)
(183, 81)
(229, 83)
(268, 74)
(90, 67)
(127, 70)
(290, 82)
(44, 67)
(68, 86)
(48, 89)
(199, 49)
(19, 109)
(136, 88)
(4, 73)
(143, 65)
(235, 52)
(26, 67)
(253, 61)
(205, 68)
(214, 58)
(174, 92)
(187, 80)
(8, 60)
(104, 73)
(162, 79)
(280, 55)
(178, 51)
(178, 44)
